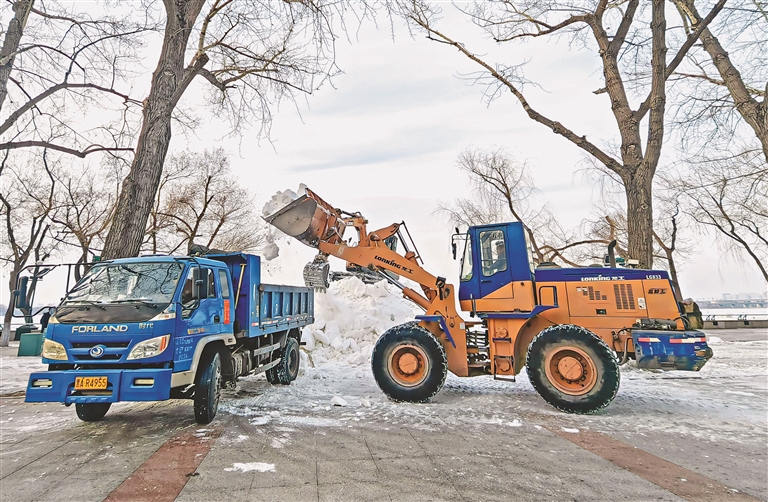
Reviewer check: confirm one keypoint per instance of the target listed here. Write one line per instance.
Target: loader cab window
(466, 261)
(493, 252)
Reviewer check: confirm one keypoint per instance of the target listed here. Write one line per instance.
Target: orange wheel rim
(408, 365)
(571, 370)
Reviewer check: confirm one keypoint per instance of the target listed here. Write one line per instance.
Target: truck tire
(287, 369)
(573, 369)
(208, 388)
(409, 363)
(91, 412)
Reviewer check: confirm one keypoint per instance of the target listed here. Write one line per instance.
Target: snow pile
(350, 317)
(282, 199)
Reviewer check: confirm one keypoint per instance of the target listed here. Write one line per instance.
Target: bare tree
(84, 202)
(56, 64)
(632, 45)
(203, 202)
(253, 52)
(26, 203)
(726, 81)
(502, 189)
(730, 196)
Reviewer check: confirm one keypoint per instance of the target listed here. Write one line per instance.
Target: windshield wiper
(148, 303)
(87, 302)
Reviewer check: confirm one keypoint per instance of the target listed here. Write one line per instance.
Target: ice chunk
(337, 401)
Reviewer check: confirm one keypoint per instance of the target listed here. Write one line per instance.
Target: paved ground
(667, 436)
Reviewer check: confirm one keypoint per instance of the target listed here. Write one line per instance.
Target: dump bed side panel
(284, 307)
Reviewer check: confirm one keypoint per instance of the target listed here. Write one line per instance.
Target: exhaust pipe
(611, 254)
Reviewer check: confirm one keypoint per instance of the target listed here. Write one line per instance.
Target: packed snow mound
(282, 199)
(350, 317)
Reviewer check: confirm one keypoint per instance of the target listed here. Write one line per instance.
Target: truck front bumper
(122, 385)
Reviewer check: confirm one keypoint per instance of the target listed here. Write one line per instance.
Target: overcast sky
(385, 141)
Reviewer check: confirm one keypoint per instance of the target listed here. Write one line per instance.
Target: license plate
(91, 383)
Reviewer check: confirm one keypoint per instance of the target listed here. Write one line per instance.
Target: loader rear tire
(91, 412)
(409, 363)
(573, 369)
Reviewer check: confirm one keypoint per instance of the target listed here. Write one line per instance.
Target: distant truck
(166, 327)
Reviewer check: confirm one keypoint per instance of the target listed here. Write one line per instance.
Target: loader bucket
(309, 219)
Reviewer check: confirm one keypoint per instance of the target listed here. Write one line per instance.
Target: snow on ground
(349, 317)
(15, 371)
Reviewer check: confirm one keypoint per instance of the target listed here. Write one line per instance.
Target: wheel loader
(570, 328)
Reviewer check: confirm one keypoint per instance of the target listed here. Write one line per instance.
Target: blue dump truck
(166, 327)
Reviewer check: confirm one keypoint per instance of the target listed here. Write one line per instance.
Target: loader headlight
(54, 350)
(150, 348)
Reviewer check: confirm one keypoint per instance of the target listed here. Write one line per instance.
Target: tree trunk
(21, 10)
(754, 113)
(673, 275)
(6, 336)
(640, 219)
(169, 81)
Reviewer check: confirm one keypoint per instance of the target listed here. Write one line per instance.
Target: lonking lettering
(393, 263)
(100, 329)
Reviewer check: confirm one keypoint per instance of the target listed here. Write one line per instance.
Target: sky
(384, 140)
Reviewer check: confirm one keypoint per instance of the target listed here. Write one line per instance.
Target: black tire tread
(203, 413)
(91, 412)
(282, 371)
(603, 351)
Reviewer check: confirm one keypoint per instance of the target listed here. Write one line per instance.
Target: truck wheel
(287, 369)
(573, 369)
(409, 363)
(208, 389)
(91, 412)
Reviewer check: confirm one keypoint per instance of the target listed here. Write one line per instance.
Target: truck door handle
(216, 318)
(485, 280)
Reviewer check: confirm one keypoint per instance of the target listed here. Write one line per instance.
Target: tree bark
(169, 81)
(21, 10)
(640, 218)
(6, 336)
(754, 112)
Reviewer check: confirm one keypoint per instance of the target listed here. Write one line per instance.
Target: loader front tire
(409, 363)
(573, 369)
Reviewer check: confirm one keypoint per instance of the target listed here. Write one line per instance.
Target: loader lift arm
(317, 224)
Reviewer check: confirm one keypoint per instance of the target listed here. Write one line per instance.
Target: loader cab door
(495, 256)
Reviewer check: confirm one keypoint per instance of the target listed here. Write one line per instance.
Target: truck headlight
(150, 348)
(54, 350)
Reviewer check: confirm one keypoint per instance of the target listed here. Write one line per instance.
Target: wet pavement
(667, 436)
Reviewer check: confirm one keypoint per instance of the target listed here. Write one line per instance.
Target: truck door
(198, 318)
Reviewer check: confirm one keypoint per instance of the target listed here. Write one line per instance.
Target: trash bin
(24, 328)
(31, 344)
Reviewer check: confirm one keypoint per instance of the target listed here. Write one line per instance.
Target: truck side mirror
(453, 249)
(21, 293)
(200, 283)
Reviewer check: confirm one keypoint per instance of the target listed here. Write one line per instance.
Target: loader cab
(496, 269)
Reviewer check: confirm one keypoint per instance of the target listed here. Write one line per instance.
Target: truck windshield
(127, 282)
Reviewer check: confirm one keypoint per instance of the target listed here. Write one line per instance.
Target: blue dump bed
(265, 308)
